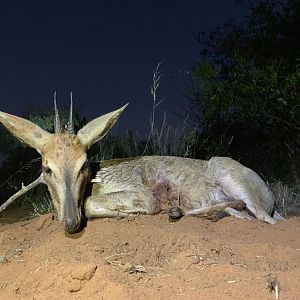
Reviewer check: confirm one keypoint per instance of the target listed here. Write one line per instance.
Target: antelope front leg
(116, 204)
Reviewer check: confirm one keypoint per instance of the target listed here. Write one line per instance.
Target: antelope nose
(71, 225)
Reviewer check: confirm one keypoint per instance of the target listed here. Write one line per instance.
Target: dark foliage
(245, 90)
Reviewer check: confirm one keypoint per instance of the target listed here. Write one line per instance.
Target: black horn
(57, 127)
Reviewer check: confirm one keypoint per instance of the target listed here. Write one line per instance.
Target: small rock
(74, 286)
(84, 272)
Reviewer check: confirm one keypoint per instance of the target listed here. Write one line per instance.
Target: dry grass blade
(287, 199)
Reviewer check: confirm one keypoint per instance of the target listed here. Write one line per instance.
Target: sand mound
(150, 258)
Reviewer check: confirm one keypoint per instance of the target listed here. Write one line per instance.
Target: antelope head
(65, 168)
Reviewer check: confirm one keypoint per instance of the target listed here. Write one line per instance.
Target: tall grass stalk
(166, 139)
(155, 103)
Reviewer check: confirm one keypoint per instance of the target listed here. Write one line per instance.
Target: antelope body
(145, 185)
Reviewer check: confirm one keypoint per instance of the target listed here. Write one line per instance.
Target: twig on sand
(127, 267)
(197, 260)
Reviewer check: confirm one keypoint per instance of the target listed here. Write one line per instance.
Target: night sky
(102, 51)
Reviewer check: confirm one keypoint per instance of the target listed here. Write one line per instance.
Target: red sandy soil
(150, 258)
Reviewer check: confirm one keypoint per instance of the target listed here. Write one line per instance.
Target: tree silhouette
(245, 90)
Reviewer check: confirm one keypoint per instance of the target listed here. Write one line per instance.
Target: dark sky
(103, 51)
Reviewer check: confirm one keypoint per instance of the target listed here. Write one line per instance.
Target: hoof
(175, 213)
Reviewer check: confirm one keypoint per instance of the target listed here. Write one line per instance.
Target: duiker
(142, 185)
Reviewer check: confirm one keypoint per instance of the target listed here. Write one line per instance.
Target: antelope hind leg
(238, 214)
(219, 211)
(239, 182)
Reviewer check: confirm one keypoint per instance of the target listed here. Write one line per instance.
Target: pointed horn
(70, 123)
(57, 128)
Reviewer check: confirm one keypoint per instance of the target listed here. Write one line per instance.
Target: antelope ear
(26, 131)
(98, 128)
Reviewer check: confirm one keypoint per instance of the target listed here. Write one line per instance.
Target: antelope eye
(47, 170)
(85, 166)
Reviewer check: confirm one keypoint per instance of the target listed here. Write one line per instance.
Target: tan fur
(61, 153)
(150, 183)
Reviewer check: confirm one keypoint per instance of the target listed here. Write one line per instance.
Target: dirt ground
(149, 257)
